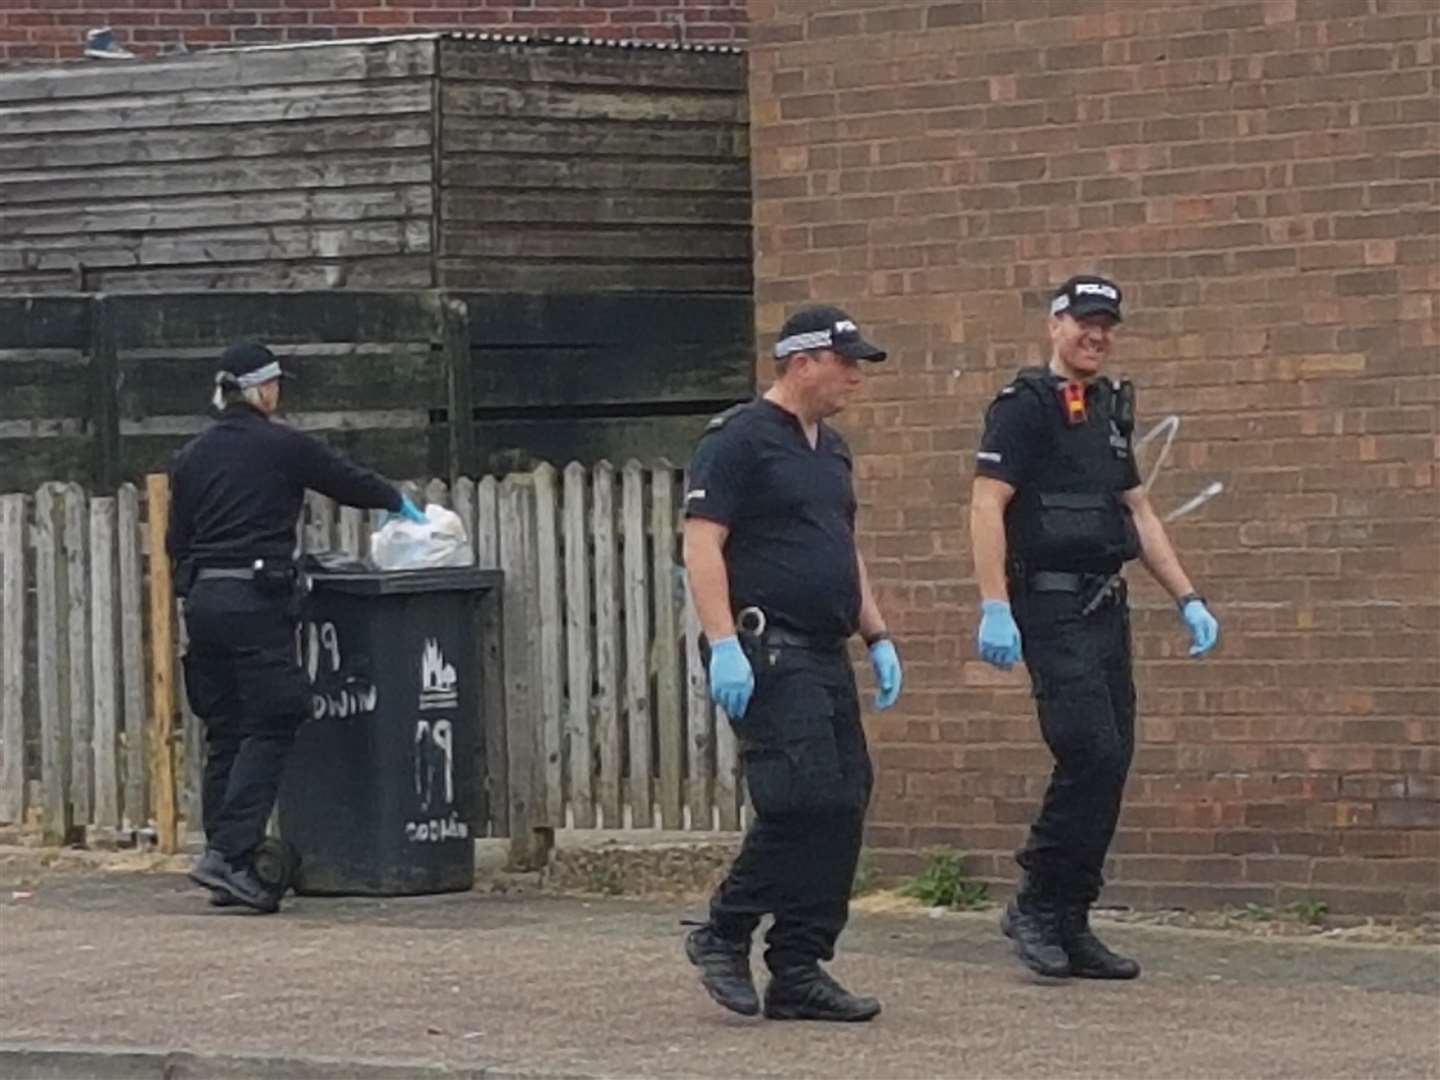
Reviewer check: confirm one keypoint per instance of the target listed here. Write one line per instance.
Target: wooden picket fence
(610, 725)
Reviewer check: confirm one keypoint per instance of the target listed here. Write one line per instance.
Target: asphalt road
(475, 984)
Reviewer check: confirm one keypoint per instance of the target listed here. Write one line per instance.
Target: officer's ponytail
(228, 390)
(224, 381)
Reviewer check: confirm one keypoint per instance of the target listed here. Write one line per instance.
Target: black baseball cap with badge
(1087, 294)
(822, 326)
(248, 363)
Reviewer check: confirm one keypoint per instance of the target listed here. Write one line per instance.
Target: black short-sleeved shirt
(237, 489)
(1028, 444)
(790, 509)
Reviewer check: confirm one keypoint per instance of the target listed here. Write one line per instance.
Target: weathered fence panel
(46, 429)
(608, 722)
(103, 388)
(323, 155)
(479, 253)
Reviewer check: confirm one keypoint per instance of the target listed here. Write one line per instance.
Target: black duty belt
(751, 621)
(1062, 581)
(789, 640)
(213, 573)
(1101, 589)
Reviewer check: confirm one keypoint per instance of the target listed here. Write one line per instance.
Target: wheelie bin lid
(393, 582)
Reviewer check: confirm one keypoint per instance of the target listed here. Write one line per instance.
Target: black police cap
(248, 363)
(822, 326)
(1087, 294)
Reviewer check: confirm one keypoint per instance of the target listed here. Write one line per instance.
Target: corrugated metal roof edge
(584, 42)
(486, 36)
(31, 70)
(480, 35)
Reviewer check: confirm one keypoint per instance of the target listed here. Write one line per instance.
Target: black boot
(238, 883)
(810, 993)
(724, 969)
(210, 866)
(1032, 922)
(1089, 957)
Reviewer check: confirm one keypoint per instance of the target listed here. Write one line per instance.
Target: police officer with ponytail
(236, 495)
(1057, 510)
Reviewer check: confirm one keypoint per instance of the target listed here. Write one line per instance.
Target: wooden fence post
(51, 651)
(463, 496)
(637, 645)
(700, 744)
(13, 540)
(190, 761)
(725, 786)
(437, 492)
(77, 632)
(105, 686)
(351, 536)
(609, 734)
(132, 658)
(494, 624)
(493, 814)
(318, 517)
(487, 524)
(530, 838)
(551, 666)
(670, 722)
(578, 725)
(162, 660)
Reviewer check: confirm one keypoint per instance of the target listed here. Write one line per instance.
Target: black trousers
(243, 679)
(809, 775)
(1081, 671)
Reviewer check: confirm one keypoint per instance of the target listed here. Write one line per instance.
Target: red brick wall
(48, 30)
(1261, 176)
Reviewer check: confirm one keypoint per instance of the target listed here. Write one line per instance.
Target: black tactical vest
(1070, 515)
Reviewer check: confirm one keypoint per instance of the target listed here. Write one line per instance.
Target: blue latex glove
(886, 664)
(1204, 629)
(999, 637)
(731, 680)
(411, 512)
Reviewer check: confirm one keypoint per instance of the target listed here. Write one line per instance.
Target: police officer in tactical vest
(779, 588)
(1057, 510)
(237, 493)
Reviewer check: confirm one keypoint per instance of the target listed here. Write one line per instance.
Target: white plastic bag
(401, 544)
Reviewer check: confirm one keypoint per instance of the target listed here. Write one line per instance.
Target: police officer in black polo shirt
(779, 587)
(1057, 509)
(237, 493)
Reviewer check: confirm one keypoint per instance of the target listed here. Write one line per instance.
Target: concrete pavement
(125, 968)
